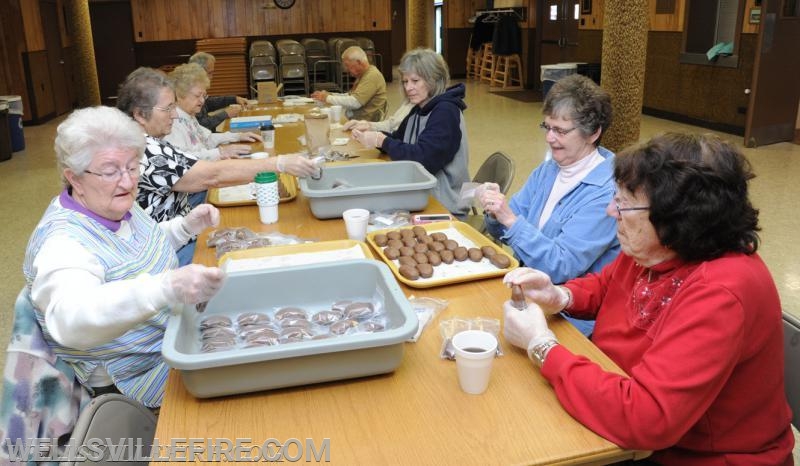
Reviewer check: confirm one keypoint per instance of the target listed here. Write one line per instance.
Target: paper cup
(475, 352)
(268, 214)
(336, 113)
(355, 221)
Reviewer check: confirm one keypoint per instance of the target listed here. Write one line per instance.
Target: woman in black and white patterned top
(169, 175)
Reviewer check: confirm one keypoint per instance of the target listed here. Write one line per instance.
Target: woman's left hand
(250, 137)
(526, 328)
(369, 139)
(200, 218)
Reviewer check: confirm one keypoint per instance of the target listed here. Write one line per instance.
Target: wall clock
(284, 4)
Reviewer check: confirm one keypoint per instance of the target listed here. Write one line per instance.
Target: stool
(487, 64)
(474, 62)
(507, 75)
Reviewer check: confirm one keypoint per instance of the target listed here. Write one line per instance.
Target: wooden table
(416, 415)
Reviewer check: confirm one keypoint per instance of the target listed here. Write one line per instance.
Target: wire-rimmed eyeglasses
(168, 109)
(115, 175)
(620, 210)
(559, 131)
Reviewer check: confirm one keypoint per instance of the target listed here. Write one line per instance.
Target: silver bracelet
(538, 353)
(569, 297)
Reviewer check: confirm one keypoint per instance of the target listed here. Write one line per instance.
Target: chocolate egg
(407, 260)
(380, 239)
(439, 236)
(501, 261)
(447, 256)
(488, 251)
(425, 270)
(434, 258)
(391, 253)
(409, 272)
(475, 254)
(407, 251)
(460, 253)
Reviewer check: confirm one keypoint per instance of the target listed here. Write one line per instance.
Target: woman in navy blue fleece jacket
(433, 133)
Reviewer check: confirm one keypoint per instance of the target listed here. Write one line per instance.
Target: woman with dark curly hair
(688, 310)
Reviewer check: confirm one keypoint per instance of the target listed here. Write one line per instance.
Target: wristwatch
(538, 353)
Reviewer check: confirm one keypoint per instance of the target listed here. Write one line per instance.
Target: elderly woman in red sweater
(688, 310)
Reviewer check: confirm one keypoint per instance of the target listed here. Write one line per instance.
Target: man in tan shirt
(367, 99)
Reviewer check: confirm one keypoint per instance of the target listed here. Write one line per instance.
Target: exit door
(558, 22)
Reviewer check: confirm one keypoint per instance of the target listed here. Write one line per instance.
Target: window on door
(711, 35)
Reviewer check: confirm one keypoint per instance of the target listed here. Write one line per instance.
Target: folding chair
(497, 168)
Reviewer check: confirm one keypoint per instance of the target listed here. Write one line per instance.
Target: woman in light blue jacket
(557, 223)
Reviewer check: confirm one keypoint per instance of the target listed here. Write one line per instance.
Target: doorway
(773, 107)
(58, 62)
(398, 34)
(557, 30)
(114, 58)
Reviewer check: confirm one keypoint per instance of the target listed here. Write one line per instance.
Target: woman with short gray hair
(557, 222)
(191, 83)
(101, 275)
(434, 132)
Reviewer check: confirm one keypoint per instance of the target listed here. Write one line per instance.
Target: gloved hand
(200, 218)
(193, 283)
(233, 151)
(241, 101)
(525, 329)
(361, 125)
(296, 165)
(250, 136)
(369, 139)
(538, 288)
(493, 202)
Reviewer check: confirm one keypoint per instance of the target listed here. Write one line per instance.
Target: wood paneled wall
(158, 20)
(594, 20)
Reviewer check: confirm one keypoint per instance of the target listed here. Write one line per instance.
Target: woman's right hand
(233, 151)
(194, 283)
(538, 287)
(361, 125)
(494, 202)
(296, 165)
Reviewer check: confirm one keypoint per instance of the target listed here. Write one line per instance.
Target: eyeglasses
(115, 175)
(169, 108)
(559, 131)
(620, 210)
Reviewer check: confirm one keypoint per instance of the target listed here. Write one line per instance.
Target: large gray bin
(312, 287)
(400, 185)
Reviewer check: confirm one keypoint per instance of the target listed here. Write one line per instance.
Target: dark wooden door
(63, 95)
(398, 30)
(114, 58)
(772, 111)
(558, 22)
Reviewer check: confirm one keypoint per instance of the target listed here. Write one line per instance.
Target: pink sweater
(703, 345)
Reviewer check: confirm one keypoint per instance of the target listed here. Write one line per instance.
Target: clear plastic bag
(426, 309)
(388, 219)
(449, 327)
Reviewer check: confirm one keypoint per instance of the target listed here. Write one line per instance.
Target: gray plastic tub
(400, 185)
(312, 287)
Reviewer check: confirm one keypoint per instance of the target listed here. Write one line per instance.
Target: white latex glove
(241, 101)
(193, 283)
(494, 202)
(250, 136)
(233, 151)
(361, 125)
(538, 287)
(296, 165)
(368, 139)
(200, 218)
(525, 329)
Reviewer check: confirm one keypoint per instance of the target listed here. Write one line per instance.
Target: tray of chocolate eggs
(440, 253)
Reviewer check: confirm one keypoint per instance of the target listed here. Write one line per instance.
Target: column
(624, 53)
(420, 19)
(80, 25)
